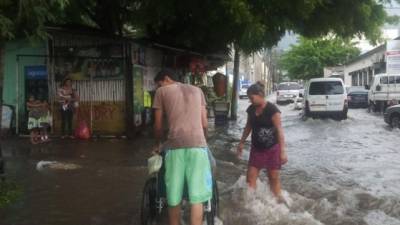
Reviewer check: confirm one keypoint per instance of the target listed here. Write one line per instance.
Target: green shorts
(190, 165)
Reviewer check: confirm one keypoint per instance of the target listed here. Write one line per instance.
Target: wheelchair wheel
(148, 208)
(210, 216)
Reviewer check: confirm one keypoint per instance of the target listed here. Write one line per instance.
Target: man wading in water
(186, 158)
(267, 140)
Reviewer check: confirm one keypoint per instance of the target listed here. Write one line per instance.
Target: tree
(308, 59)
(213, 25)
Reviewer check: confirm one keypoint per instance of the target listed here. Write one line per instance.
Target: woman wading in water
(267, 140)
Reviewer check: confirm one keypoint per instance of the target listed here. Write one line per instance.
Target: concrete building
(361, 70)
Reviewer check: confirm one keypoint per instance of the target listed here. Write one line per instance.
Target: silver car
(287, 92)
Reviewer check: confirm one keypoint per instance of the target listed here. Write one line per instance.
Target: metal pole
(91, 101)
(235, 84)
(17, 97)
(226, 82)
(2, 46)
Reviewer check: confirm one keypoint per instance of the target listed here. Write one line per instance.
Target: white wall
(361, 64)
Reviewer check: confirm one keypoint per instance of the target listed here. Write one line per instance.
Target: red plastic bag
(82, 131)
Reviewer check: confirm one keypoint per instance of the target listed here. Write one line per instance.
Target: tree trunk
(1, 103)
(234, 104)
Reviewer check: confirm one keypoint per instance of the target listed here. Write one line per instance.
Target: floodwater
(339, 172)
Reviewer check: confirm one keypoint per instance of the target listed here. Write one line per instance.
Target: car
(383, 91)
(392, 116)
(357, 97)
(243, 90)
(325, 97)
(287, 92)
(298, 103)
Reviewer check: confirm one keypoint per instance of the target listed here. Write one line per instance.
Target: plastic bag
(154, 164)
(82, 131)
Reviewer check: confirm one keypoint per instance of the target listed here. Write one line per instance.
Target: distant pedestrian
(45, 120)
(68, 99)
(267, 140)
(34, 112)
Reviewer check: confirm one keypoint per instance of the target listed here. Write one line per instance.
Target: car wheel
(344, 113)
(307, 110)
(395, 121)
(344, 116)
(148, 207)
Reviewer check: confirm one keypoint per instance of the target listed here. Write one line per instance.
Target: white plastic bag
(154, 164)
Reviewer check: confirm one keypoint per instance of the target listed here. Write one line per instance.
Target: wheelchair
(154, 202)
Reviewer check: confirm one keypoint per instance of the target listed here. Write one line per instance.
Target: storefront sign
(393, 57)
(36, 72)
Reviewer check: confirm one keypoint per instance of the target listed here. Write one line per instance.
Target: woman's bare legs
(252, 175)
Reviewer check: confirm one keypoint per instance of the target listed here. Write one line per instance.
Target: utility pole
(236, 64)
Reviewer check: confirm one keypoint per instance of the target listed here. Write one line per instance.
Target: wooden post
(234, 105)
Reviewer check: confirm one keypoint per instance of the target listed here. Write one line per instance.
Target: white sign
(393, 57)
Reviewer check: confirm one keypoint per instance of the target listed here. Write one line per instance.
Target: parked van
(384, 90)
(325, 96)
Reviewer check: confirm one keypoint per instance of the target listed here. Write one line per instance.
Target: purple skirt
(269, 159)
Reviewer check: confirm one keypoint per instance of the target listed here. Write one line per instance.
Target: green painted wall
(12, 49)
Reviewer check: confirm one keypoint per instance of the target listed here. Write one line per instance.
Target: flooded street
(338, 173)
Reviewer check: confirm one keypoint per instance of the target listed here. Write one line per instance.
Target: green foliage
(27, 17)
(307, 59)
(211, 25)
(9, 192)
(203, 25)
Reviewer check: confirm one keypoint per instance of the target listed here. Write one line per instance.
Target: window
(289, 86)
(326, 88)
(384, 80)
(397, 79)
(392, 80)
(354, 80)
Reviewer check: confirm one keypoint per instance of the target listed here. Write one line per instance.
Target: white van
(384, 90)
(325, 96)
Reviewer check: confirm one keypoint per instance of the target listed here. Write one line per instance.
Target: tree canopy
(210, 25)
(308, 59)
(203, 25)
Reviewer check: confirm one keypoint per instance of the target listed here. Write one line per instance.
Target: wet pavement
(339, 172)
(96, 182)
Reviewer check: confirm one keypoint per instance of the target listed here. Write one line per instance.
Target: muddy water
(74, 183)
(338, 173)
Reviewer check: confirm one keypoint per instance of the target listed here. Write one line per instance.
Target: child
(44, 120)
(33, 107)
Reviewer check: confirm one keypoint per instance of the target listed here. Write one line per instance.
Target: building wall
(362, 66)
(13, 92)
